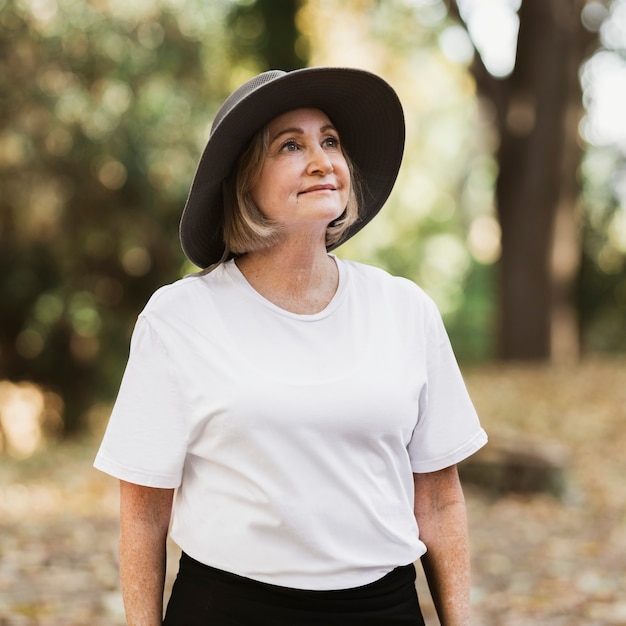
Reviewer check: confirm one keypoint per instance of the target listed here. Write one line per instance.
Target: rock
(517, 465)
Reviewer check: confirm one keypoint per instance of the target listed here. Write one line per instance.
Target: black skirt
(205, 596)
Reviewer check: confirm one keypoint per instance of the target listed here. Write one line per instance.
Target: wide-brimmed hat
(363, 107)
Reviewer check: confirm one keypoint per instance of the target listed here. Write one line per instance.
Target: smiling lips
(319, 188)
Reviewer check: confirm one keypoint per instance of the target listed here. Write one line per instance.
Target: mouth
(315, 188)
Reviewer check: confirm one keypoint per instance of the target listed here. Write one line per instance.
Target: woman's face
(304, 182)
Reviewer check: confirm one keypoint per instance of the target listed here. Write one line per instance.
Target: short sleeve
(448, 429)
(145, 441)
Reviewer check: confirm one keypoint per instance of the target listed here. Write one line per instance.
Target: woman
(308, 411)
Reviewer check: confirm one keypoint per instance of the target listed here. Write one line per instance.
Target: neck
(296, 278)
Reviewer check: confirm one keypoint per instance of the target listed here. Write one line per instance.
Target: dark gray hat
(365, 110)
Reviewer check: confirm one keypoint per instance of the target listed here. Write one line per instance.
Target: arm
(144, 521)
(442, 520)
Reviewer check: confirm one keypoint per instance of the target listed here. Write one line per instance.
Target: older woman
(301, 415)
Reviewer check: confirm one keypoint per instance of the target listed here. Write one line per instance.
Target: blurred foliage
(602, 284)
(271, 36)
(601, 296)
(106, 106)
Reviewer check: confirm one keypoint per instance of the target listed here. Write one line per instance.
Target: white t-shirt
(292, 439)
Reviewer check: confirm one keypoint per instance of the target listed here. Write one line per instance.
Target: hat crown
(242, 92)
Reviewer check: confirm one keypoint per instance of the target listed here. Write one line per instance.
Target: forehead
(299, 118)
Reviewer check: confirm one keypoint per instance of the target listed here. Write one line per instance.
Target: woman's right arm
(144, 522)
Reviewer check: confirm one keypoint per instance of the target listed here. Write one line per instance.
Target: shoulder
(398, 290)
(171, 296)
(193, 292)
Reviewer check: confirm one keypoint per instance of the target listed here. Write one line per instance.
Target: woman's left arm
(442, 519)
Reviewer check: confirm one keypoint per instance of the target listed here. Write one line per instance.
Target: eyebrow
(297, 130)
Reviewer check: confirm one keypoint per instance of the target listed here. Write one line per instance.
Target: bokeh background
(510, 211)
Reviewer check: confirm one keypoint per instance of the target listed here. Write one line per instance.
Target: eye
(331, 142)
(289, 146)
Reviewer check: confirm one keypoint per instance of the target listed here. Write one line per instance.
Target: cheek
(271, 191)
(343, 172)
(259, 191)
(341, 168)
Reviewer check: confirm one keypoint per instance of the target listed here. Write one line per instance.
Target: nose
(319, 161)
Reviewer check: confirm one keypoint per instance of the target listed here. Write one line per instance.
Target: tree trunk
(535, 167)
(538, 111)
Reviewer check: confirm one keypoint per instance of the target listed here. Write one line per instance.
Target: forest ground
(537, 559)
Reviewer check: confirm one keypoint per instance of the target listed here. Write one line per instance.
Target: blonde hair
(246, 229)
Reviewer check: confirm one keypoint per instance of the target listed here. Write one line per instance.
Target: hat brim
(363, 107)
